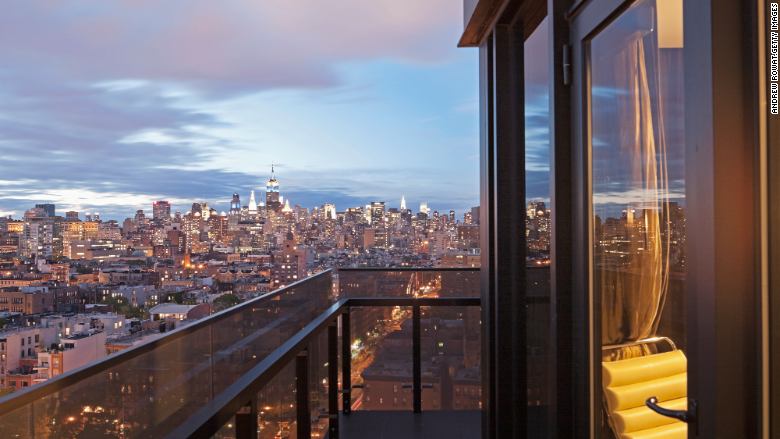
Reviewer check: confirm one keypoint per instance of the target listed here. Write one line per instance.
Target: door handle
(687, 416)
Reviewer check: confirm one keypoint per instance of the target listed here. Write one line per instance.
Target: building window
(22, 341)
(457, 391)
(380, 400)
(457, 405)
(395, 388)
(11, 383)
(24, 383)
(395, 401)
(435, 403)
(37, 338)
(403, 402)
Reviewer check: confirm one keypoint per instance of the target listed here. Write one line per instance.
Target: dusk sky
(107, 106)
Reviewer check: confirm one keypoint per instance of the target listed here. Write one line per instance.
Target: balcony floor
(395, 424)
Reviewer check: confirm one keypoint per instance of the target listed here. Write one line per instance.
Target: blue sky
(107, 106)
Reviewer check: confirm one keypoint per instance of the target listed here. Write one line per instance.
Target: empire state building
(272, 193)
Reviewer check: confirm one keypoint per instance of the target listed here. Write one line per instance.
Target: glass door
(638, 220)
(633, 127)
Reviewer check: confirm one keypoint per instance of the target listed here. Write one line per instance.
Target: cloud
(223, 47)
(110, 105)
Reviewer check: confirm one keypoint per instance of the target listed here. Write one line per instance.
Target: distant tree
(118, 300)
(225, 301)
(135, 262)
(167, 261)
(175, 297)
(84, 270)
(122, 307)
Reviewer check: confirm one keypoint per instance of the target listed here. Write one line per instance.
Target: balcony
(271, 366)
(274, 366)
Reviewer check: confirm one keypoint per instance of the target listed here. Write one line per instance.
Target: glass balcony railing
(382, 339)
(150, 390)
(269, 368)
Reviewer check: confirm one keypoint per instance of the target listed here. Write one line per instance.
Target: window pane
(538, 231)
(637, 141)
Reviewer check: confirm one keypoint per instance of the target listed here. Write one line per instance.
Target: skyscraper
(330, 211)
(272, 201)
(161, 211)
(403, 203)
(47, 207)
(377, 212)
(235, 206)
(252, 205)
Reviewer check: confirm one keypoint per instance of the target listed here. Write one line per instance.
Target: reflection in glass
(637, 143)
(381, 339)
(538, 227)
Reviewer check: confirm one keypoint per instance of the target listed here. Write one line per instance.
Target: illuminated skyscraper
(234, 214)
(377, 213)
(235, 206)
(403, 203)
(272, 201)
(252, 205)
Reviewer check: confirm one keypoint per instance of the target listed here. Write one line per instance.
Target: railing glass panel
(149, 390)
(382, 339)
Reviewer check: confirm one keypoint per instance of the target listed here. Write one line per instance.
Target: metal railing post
(303, 416)
(416, 360)
(246, 420)
(333, 380)
(346, 364)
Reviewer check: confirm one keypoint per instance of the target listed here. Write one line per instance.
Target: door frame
(723, 250)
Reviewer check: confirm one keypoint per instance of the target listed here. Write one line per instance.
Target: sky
(108, 106)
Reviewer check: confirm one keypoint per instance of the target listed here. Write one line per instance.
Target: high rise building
(452, 216)
(330, 211)
(140, 218)
(47, 207)
(218, 227)
(235, 206)
(272, 200)
(424, 209)
(37, 237)
(403, 203)
(377, 213)
(289, 263)
(475, 215)
(88, 216)
(161, 211)
(72, 216)
(253, 210)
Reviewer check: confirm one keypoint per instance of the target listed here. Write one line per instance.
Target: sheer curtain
(633, 293)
